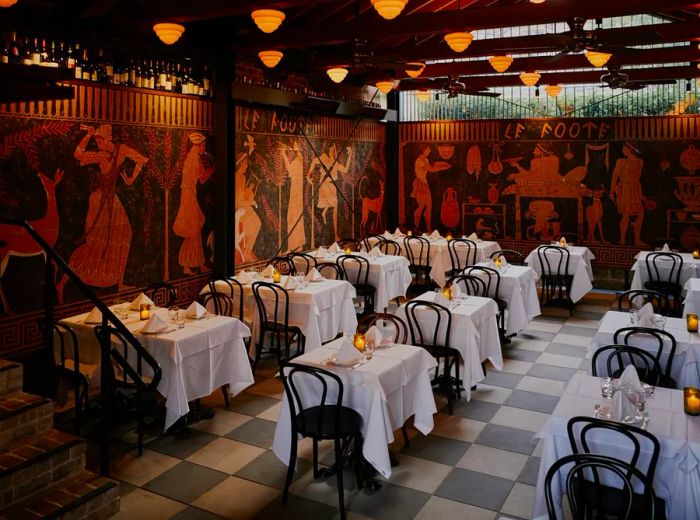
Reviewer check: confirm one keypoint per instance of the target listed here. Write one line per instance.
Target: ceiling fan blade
(653, 81)
(556, 57)
(483, 94)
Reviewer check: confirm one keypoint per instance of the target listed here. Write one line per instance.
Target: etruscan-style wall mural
(304, 181)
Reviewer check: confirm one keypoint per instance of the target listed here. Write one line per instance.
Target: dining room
(356, 259)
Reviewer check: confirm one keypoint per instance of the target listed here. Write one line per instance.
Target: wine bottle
(70, 56)
(14, 49)
(27, 52)
(44, 54)
(78, 62)
(5, 53)
(36, 53)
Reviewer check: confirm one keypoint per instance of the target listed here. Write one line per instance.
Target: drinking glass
(172, 314)
(181, 319)
(638, 399)
(659, 321)
(634, 315)
(368, 352)
(607, 387)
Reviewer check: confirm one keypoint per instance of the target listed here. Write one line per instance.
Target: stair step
(23, 415)
(82, 497)
(10, 377)
(34, 463)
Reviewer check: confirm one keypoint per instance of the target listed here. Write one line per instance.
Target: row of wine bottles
(90, 66)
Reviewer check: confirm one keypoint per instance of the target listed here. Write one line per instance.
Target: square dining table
(579, 267)
(690, 269)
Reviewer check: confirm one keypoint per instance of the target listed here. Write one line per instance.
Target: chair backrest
(417, 250)
(67, 346)
(470, 284)
(630, 442)
(277, 309)
(491, 277)
(129, 366)
(511, 255)
(673, 243)
(348, 242)
(299, 382)
(637, 298)
(400, 328)
(330, 271)
(554, 261)
(283, 265)
(665, 340)
(421, 334)
(162, 293)
(571, 238)
(664, 267)
(389, 247)
(462, 253)
(303, 262)
(370, 241)
(231, 288)
(221, 303)
(581, 464)
(621, 356)
(355, 269)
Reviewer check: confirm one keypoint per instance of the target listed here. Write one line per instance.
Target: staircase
(42, 470)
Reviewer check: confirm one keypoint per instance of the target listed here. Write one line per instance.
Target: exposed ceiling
(317, 34)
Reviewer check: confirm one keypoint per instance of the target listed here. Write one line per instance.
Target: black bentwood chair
(462, 254)
(303, 262)
(355, 270)
(637, 298)
(663, 275)
(665, 348)
(620, 357)
(555, 277)
(161, 293)
(512, 256)
(400, 328)
(418, 253)
(330, 271)
(389, 247)
(492, 279)
(283, 265)
(324, 418)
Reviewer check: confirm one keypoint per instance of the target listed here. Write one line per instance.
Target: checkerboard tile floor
(479, 463)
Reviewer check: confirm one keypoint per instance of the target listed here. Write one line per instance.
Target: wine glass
(638, 399)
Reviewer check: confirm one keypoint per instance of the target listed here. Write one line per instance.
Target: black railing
(53, 260)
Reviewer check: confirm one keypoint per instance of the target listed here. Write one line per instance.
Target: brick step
(10, 377)
(23, 415)
(35, 463)
(87, 496)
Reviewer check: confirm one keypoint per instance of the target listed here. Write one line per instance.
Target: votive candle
(145, 311)
(692, 322)
(359, 341)
(691, 400)
(696, 254)
(276, 276)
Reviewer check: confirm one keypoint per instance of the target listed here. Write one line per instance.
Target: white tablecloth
(474, 334)
(692, 297)
(385, 391)
(519, 290)
(195, 360)
(691, 269)
(685, 368)
(579, 266)
(388, 274)
(677, 476)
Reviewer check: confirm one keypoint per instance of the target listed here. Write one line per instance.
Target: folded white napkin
(268, 271)
(334, 248)
(195, 311)
(473, 237)
(290, 283)
(348, 354)
(140, 299)
(455, 290)
(313, 275)
(388, 235)
(441, 300)
(435, 234)
(373, 336)
(629, 380)
(155, 324)
(646, 316)
(321, 252)
(562, 242)
(375, 252)
(622, 408)
(95, 316)
(397, 233)
(244, 277)
(425, 235)
(666, 249)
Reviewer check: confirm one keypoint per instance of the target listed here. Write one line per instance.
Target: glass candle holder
(691, 400)
(696, 254)
(348, 251)
(497, 262)
(448, 237)
(276, 277)
(409, 233)
(692, 322)
(145, 311)
(447, 293)
(359, 341)
(562, 242)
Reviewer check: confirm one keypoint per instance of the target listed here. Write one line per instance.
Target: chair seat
(502, 305)
(663, 380)
(664, 287)
(271, 326)
(90, 372)
(350, 422)
(610, 500)
(362, 289)
(438, 352)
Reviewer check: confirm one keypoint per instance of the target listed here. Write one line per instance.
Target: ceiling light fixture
(270, 58)
(385, 86)
(537, 1)
(168, 33)
(414, 68)
(423, 96)
(337, 74)
(530, 79)
(389, 9)
(500, 63)
(7, 3)
(553, 90)
(597, 59)
(268, 20)
(459, 41)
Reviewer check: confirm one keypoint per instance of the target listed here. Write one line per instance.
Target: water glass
(634, 316)
(368, 352)
(172, 314)
(180, 320)
(637, 398)
(607, 387)
(659, 321)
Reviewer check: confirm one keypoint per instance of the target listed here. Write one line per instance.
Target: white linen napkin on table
(646, 316)
(140, 299)
(348, 354)
(313, 275)
(321, 252)
(435, 234)
(244, 277)
(195, 311)
(425, 235)
(375, 252)
(268, 271)
(622, 408)
(473, 237)
(629, 380)
(666, 249)
(290, 283)
(373, 336)
(397, 233)
(388, 235)
(94, 317)
(441, 300)
(334, 248)
(155, 324)
(455, 290)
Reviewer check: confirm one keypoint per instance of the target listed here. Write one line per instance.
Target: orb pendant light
(530, 79)
(500, 63)
(168, 33)
(423, 96)
(7, 3)
(270, 58)
(337, 74)
(553, 90)
(389, 9)
(385, 86)
(598, 59)
(268, 20)
(414, 68)
(459, 41)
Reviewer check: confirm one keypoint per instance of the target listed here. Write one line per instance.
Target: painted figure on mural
(594, 215)
(327, 190)
(544, 166)
(626, 191)
(421, 188)
(189, 221)
(296, 234)
(247, 221)
(103, 250)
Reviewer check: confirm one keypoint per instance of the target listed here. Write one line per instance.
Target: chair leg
(139, 425)
(290, 470)
(404, 432)
(224, 391)
(339, 473)
(315, 457)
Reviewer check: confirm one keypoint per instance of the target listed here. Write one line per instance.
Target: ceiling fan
(615, 79)
(452, 87)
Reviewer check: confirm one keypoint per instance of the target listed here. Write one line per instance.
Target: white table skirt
(686, 362)
(393, 386)
(677, 476)
(474, 334)
(195, 360)
(579, 266)
(692, 297)
(691, 269)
